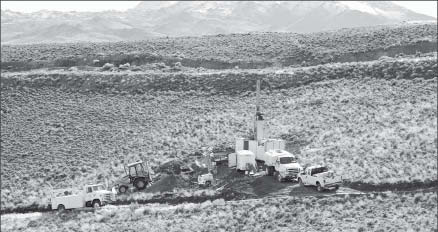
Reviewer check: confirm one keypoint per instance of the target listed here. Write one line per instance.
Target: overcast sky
(424, 7)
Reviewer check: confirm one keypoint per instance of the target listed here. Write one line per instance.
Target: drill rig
(270, 153)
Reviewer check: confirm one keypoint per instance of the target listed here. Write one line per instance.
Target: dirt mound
(168, 183)
(171, 167)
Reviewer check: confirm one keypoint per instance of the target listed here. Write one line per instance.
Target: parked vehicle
(320, 177)
(220, 158)
(138, 174)
(205, 180)
(282, 164)
(93, 195)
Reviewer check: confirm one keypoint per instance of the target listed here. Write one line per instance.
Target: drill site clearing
(258, 167)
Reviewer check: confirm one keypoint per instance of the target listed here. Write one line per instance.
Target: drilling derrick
(259, 123)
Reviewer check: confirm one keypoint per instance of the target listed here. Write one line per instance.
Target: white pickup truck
(94, 195)
(320, 177)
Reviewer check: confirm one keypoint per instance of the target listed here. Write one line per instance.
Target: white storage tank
(275, 144)
(260, 134)
(245, 160)
(270, 144)
(253, 144)
(232, 160)
(260, 151)
(282, 144)
(239, 144)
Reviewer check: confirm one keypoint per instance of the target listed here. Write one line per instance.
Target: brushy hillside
(254, 50)
(374, 212)
(232, 81)
(379, 128)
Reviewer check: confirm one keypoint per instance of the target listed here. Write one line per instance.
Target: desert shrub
(231, 82)
(124, 66)
(107, 67)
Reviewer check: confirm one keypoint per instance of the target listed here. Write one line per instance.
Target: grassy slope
(369, 130)
(378, 212)
(224, 51)
(230, 81)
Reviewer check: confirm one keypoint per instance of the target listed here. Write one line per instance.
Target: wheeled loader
(138, 174)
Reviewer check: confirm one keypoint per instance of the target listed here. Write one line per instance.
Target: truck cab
(287, 168)
(93, 195)
(320, 177)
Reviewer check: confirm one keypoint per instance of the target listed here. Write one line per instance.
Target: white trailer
(243, 160)
(89, 196)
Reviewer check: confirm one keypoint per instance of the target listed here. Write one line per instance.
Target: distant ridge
(175, 18)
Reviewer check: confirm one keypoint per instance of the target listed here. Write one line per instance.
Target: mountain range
(184, 18)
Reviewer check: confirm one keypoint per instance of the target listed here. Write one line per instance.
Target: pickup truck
(94, 195)
(320, 177)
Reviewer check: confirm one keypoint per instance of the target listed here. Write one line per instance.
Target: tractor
(138, 174)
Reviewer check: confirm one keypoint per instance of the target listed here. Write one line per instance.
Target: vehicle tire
(140, 184)
(300, 181)
(61, 208)
(96, 204)
(123, 189)
(207, 183)
(318, 187)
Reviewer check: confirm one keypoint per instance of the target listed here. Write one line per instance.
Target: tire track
(283, 194)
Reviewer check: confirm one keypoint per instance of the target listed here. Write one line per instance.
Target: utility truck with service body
(320, 177)
(94, 195)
